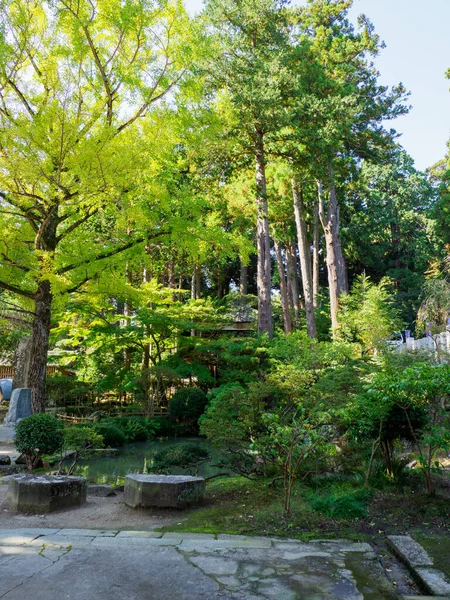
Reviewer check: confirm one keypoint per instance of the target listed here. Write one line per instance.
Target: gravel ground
(97, 513)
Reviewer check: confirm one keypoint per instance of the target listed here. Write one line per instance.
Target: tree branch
(109, 253)
(76, 224)
(9, 287)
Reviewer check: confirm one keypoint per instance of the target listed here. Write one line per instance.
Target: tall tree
(76, 79)
(248, 71)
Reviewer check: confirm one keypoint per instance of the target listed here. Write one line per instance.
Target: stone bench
(164, 491)
(45, 493)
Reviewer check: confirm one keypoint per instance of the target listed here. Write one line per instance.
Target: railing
(436, 343)
(8, 372)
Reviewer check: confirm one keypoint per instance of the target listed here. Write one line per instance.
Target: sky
(417, 54)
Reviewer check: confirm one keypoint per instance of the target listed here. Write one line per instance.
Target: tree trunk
(39, 346)
(283, 289)
(337, 272)
(292, 277)
(304, 248)
(46, 239)
(316, 263)
(331, 263)
(243, 280)
(335, 218)
(264, 279)
(127, 315)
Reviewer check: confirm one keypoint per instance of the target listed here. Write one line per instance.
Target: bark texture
(283, 288)
(264, 279)
(304, 248)
(336, 267)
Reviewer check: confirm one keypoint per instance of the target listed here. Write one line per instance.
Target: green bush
(185, 456)
(164, 427)
(187, 404)
(37, 435)
(343, 504)
(79, 440)
(112, 435)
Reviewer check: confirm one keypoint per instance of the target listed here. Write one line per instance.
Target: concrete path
(82, 564)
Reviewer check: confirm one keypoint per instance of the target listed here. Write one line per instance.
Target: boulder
(164, 491)
(5, 459)
(45, 493)
(19, 406)
(100, 490)
(10, 469)
(21, 460)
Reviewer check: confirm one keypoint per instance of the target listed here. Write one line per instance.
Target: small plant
(343, 504)
(187, 456)
(37, 435)
(81, 440)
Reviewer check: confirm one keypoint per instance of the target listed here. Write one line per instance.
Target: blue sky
(417, 54)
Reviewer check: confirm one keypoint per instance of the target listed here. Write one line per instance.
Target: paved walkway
(82, 564)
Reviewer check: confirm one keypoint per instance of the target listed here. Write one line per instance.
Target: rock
(21, 460)
(19, 406)
(5, 459)
(101, 490)
(45, 493)
(10, 469)
(119, 488)
(165, 491)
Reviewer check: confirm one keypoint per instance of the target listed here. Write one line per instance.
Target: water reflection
(136, 458)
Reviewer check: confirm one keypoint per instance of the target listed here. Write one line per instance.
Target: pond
(134, 458)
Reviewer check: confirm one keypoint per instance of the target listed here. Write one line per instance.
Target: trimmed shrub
(112, 435)
(187, 404)
(185, 456)
(37, 435)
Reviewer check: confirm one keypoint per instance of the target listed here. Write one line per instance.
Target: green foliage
(187, 404)
(113, 436)
(186, 456)
(80, 440)
(344, 504)
(368, 315)
(37, 435)
(411, 403)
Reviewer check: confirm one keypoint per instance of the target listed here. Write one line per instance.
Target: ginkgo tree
(79, 82)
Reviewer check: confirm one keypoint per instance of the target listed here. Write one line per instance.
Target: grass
(438, 547)
(335, 507)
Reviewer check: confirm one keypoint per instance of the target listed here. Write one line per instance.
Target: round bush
(187, 404)
(112, 435)
(185, 456)
(37, 435)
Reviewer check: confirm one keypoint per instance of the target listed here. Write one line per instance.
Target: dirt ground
(97, 513)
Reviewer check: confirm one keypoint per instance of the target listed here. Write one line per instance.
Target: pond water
(134, 458)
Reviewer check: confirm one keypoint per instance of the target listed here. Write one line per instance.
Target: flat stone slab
(420, 564)
(47, 564)
(409, 551)
(164, 491)
(433, 581)
(45, 493)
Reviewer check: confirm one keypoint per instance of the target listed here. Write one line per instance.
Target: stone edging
(420, 564)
